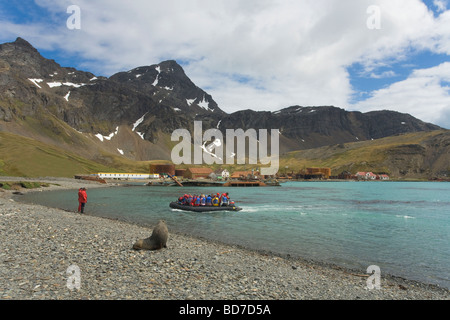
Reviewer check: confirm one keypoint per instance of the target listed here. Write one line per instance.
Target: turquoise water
(403, 227)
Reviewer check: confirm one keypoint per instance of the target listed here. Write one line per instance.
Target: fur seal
(157, 240)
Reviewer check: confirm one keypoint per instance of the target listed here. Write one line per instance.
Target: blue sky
(260, 54)
(365, 83)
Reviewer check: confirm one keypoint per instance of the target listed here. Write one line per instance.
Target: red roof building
(366, 175)
(196, 173)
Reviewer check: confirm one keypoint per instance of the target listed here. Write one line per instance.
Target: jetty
(210, 183)
(175, 179)
(202, 183)
(252, 183)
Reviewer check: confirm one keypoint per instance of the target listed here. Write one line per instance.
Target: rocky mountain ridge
(133, 113)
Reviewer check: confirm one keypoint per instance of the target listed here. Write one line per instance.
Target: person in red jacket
(82, 199)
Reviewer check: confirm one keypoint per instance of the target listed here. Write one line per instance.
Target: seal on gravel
(157, 240)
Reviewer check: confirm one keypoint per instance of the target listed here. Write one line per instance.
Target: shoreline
(39, 244)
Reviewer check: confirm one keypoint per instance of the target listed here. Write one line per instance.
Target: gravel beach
(43, 250)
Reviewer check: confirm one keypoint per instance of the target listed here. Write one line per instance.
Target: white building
(225, 174)
(127, 176)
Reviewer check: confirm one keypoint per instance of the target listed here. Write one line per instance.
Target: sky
(359, 55)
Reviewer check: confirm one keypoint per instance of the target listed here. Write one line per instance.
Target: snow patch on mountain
(190, 101)
(204, 104)
(69, 84)
(35, 81)
(137, 123)
(102, 137)
(155, 83)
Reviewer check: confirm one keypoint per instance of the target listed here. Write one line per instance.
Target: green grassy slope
(25, 157)
(20, 156)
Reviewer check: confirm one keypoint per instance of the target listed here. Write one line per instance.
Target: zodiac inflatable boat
(175, 205)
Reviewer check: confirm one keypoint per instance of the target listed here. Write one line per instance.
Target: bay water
(402, 227)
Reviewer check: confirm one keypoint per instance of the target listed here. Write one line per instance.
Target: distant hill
(421, 155)
(132, 114)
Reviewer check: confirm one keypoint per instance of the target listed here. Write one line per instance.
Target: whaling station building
(164, 170)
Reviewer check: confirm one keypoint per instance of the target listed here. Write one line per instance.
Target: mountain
(72, 106)
(132, 114)
(170, 86)
(312, 127)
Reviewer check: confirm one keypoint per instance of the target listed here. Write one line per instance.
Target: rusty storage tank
(162, 168)
(180, 172)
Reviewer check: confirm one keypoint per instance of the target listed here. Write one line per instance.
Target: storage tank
(162, 168)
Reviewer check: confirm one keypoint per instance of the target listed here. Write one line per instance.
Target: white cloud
(258, 54)
(385, 74)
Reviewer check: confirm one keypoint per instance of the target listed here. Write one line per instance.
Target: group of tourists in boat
(211, 202)
(214, 200)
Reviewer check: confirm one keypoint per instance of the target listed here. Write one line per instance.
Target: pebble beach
(52, 254)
